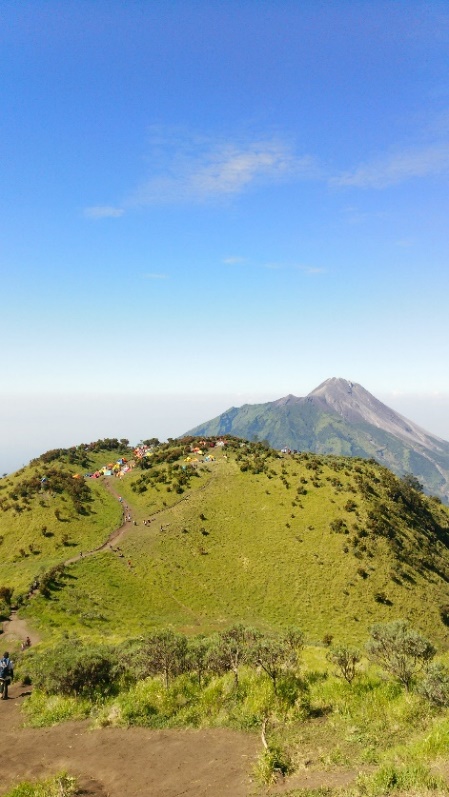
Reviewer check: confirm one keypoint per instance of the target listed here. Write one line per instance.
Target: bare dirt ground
(134, 761)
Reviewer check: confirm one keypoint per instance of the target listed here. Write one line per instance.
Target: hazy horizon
(63, 421)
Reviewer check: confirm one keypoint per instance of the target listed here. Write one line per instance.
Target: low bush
(61, 785)
(71, 669)
(435, 685)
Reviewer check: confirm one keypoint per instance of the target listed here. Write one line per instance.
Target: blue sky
(207, 203)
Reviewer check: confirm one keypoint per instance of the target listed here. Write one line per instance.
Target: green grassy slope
(329, 544)
(47, 516)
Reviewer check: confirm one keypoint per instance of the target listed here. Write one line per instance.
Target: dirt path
(17, 630)
(132, 762)
(138, 762)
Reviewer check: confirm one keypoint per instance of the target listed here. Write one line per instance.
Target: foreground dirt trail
(131, 762)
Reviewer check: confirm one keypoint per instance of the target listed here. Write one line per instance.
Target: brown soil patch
(87, 787)
(112, 762)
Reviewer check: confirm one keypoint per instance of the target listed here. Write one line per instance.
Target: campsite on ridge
(341, 417)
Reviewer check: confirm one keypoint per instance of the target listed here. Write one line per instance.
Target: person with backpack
(6, 675)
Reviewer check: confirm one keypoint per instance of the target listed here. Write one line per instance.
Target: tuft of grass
(61, 785)
(409, 779)
(42, 710)
(273, 764)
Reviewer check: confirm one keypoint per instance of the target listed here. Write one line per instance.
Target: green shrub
(400, 650)
(74, 669)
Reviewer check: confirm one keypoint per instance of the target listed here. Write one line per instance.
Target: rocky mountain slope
(341, 417)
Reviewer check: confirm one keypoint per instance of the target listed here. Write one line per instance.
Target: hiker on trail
(6, 675)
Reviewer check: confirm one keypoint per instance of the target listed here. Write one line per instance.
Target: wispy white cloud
(103, 212)
(353, 215)
(204, 170)
(310, 270)
(275, 265)
(234, 261)
(313, 270)
(188, 168)
(412, 163)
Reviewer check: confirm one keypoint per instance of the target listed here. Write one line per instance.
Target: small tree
(235, 648)
(346, 660)
(198, 655)
(444, 613)
(294, 639)
(409, 480)
(279, 654)
(400, 650)
(5, 601)
(164, 654)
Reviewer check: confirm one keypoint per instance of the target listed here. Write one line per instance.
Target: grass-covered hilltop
(213, 583)
(342, 418)
(221, 534)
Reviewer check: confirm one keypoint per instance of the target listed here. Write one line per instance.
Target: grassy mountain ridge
(330, 544)
(343, 419)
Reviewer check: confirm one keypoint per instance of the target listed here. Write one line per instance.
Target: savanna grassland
(329, 544)
(246, 591)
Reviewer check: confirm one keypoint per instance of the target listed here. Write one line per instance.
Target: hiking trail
(127, 525)
(16, 629)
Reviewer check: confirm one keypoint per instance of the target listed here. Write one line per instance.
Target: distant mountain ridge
(341, 417)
